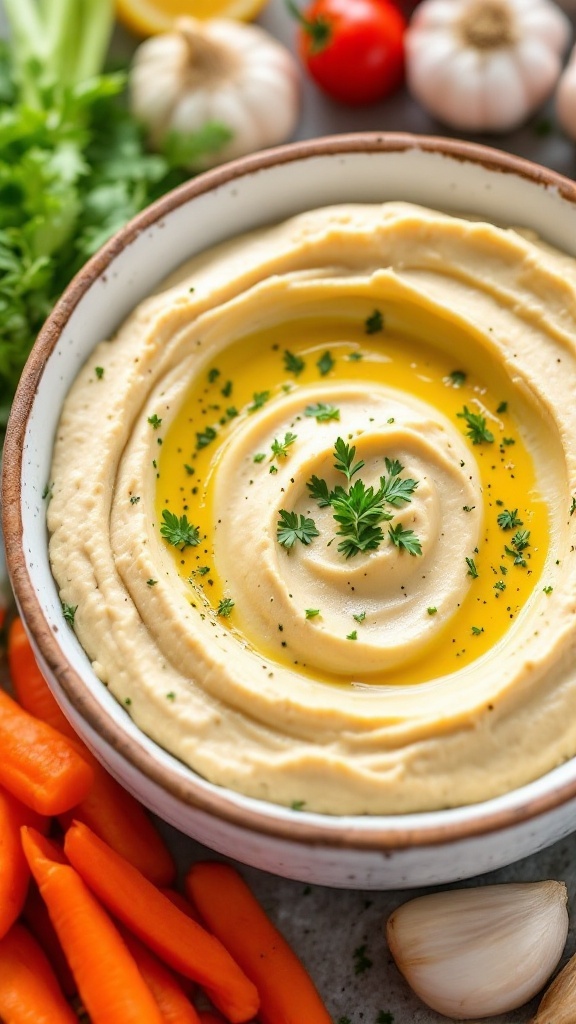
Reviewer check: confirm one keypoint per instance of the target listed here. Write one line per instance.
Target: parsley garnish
(99, 371)
(291, 527)
(520, 541)
(456, 378)
(573, 506)
(294, 364)
(69, 611)
(151, 582)
(472, 570)
(205, 437)
(213, 375)
(374, 322)
(178, 531)
(503, 407)
(47, 492)
(171, 695)
(352, 636)
(311, 613)
(405, 539)
(509, 520)
(355, 357)
(134, 499)
(362, 962)
(227, 389)
(547, 590)
(319, 491)
(432, 611)
(477, 430)
(225, 607)
(396, 490)
(280, 448)
(155, 421)
(476, 630)
(260, 457)
(345, 459)
(322, 412)
(297, 805)
(359, 512)
(359, 617)
(259, 398)
(325, 363)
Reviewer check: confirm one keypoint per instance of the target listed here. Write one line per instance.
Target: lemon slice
(150, 17)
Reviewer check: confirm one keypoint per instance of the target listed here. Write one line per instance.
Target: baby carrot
(153, 918)
(38, 765)
(36, 917)
(14, 870)
(110, 985)
(172, 1000)
(233, 914)
(29, 992)
(107, 809)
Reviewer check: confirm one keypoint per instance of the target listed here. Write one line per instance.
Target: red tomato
(353, 49)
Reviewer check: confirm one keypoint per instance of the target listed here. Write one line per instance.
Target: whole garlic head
(221, 71)
(472, 953)
(485, 65)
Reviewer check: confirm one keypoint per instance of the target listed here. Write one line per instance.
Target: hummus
(324, 550)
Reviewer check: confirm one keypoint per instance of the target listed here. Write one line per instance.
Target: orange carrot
(174, 1004)
(180, 901)
(109, 983)
(29, 992)
(153, 918)
(38, 765)
(35, 915)
(14, 870)
(108, 809)
(233, 914)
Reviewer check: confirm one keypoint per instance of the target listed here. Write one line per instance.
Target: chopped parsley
(297, 805)
(259, 398)
(47, 492)
(280, 448)
(397, 491)
(213, 375)
(322, 412)
(178, 531)
(477, 630)
(151, 582)
(503, 407)
(405, 539)
(226, 391)
(520, 541)
(547, 590)
(509, 520)
(472, 570)
(456, 378)
(325, 363)
(311, 613)
(477, 430)
(259, 457)
(205, 437)
(319, 491)
(359, 512)
(99, 371)
(432, 611)
(155, 421)
(291, 527)
(69, 611)
(360, 616)
(355, 357)
(135, 498)
(573, 506)
(294, 364)
(352, 636)
(374, 323)
(225, 607)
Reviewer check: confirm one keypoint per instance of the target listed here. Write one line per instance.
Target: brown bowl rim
(215, 802)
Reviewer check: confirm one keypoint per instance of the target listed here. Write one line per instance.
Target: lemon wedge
(150, 17)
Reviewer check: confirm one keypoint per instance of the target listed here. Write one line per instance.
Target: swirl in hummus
(325, 554)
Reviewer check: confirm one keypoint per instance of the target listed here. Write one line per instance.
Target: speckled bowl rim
(384, 832)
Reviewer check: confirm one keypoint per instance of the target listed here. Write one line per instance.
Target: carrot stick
(107, 809)
(153, 918)
(35, 915)
(38, 765)
(180, 901)
(29, 992)
(109, 983)
(174, 1004)
(233, 914)
(14, 870)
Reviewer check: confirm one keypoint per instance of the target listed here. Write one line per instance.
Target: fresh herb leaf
(509, 520)
(384, 1017)
(155, 421)
(353, 635)
(293, 364)
(472, 570)
(311, 613)
(225, 607)
(547, 590)
(325, 363)
(259, 457)
(345, 459)
(405, 539)
(259, 398)
(99, 371)
(359, 512)
(359, 617)
(432, 611)
(227, 389)
(396, 490)
(477, 430)
(69, 611)
(476, 630)
(374, 323)
(280, 448)
(297, 805)
(178, 531)
(573, 506)
(205, 437)
(213, 375)
(291, 527)
(319, 491)
(322, 412)
(521, 539)
(456, 378)
(503, 407)
(151, 582)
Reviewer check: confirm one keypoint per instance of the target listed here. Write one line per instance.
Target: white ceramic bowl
(355, 852)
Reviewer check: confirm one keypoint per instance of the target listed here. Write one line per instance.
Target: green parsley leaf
(325, 363)
(259, 457)
(293, 364)
(355, 357)
(345, 459)
(319, 491)
(155, 421)
(311, 613)
(134, 499)
(291, 528)
(69, 611)
(352, 636)
(259, 398)
(509, 520)
(280, 448)
(521, 540)
(432, 611)
(225, 607)
(472, 570)
(47, 492)
(171, 695)
(374, 323)
(397, 491)
(503, 407)
(205, 437)
(405, 539)
(178, 531)
(359, 512)
(359, 617)
(99, 371)
(476, 630)
(499, 585)
(297, 805)
(227, 389)
(189, 469)
(456, 378)
(151, 582)
(213, 375)
(477, 430)
(322, 412)
(573, 506)
(547, 590)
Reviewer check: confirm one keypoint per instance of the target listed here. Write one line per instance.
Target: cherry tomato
(353, 49)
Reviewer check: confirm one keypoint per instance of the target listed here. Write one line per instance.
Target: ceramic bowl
(355, 852)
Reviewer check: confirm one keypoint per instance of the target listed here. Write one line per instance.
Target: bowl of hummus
(289, 499)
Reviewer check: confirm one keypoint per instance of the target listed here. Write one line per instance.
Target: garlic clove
(558, 1004)
(481, 951)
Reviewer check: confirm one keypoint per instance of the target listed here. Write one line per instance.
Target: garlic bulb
(485, 65)
(479, 952)
(566, 97)
(218, 70)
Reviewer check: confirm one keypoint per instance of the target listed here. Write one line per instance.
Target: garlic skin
(473, 953)
(485, 65)
(566, 97)
(217, 70)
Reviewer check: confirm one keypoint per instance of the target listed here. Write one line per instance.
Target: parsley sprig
(178, 531)
(322, 412)
(292, 527)
(280, 448)
(477, 430)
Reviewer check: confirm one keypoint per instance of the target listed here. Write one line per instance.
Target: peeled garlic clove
(479, 952)
(558, 1004)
